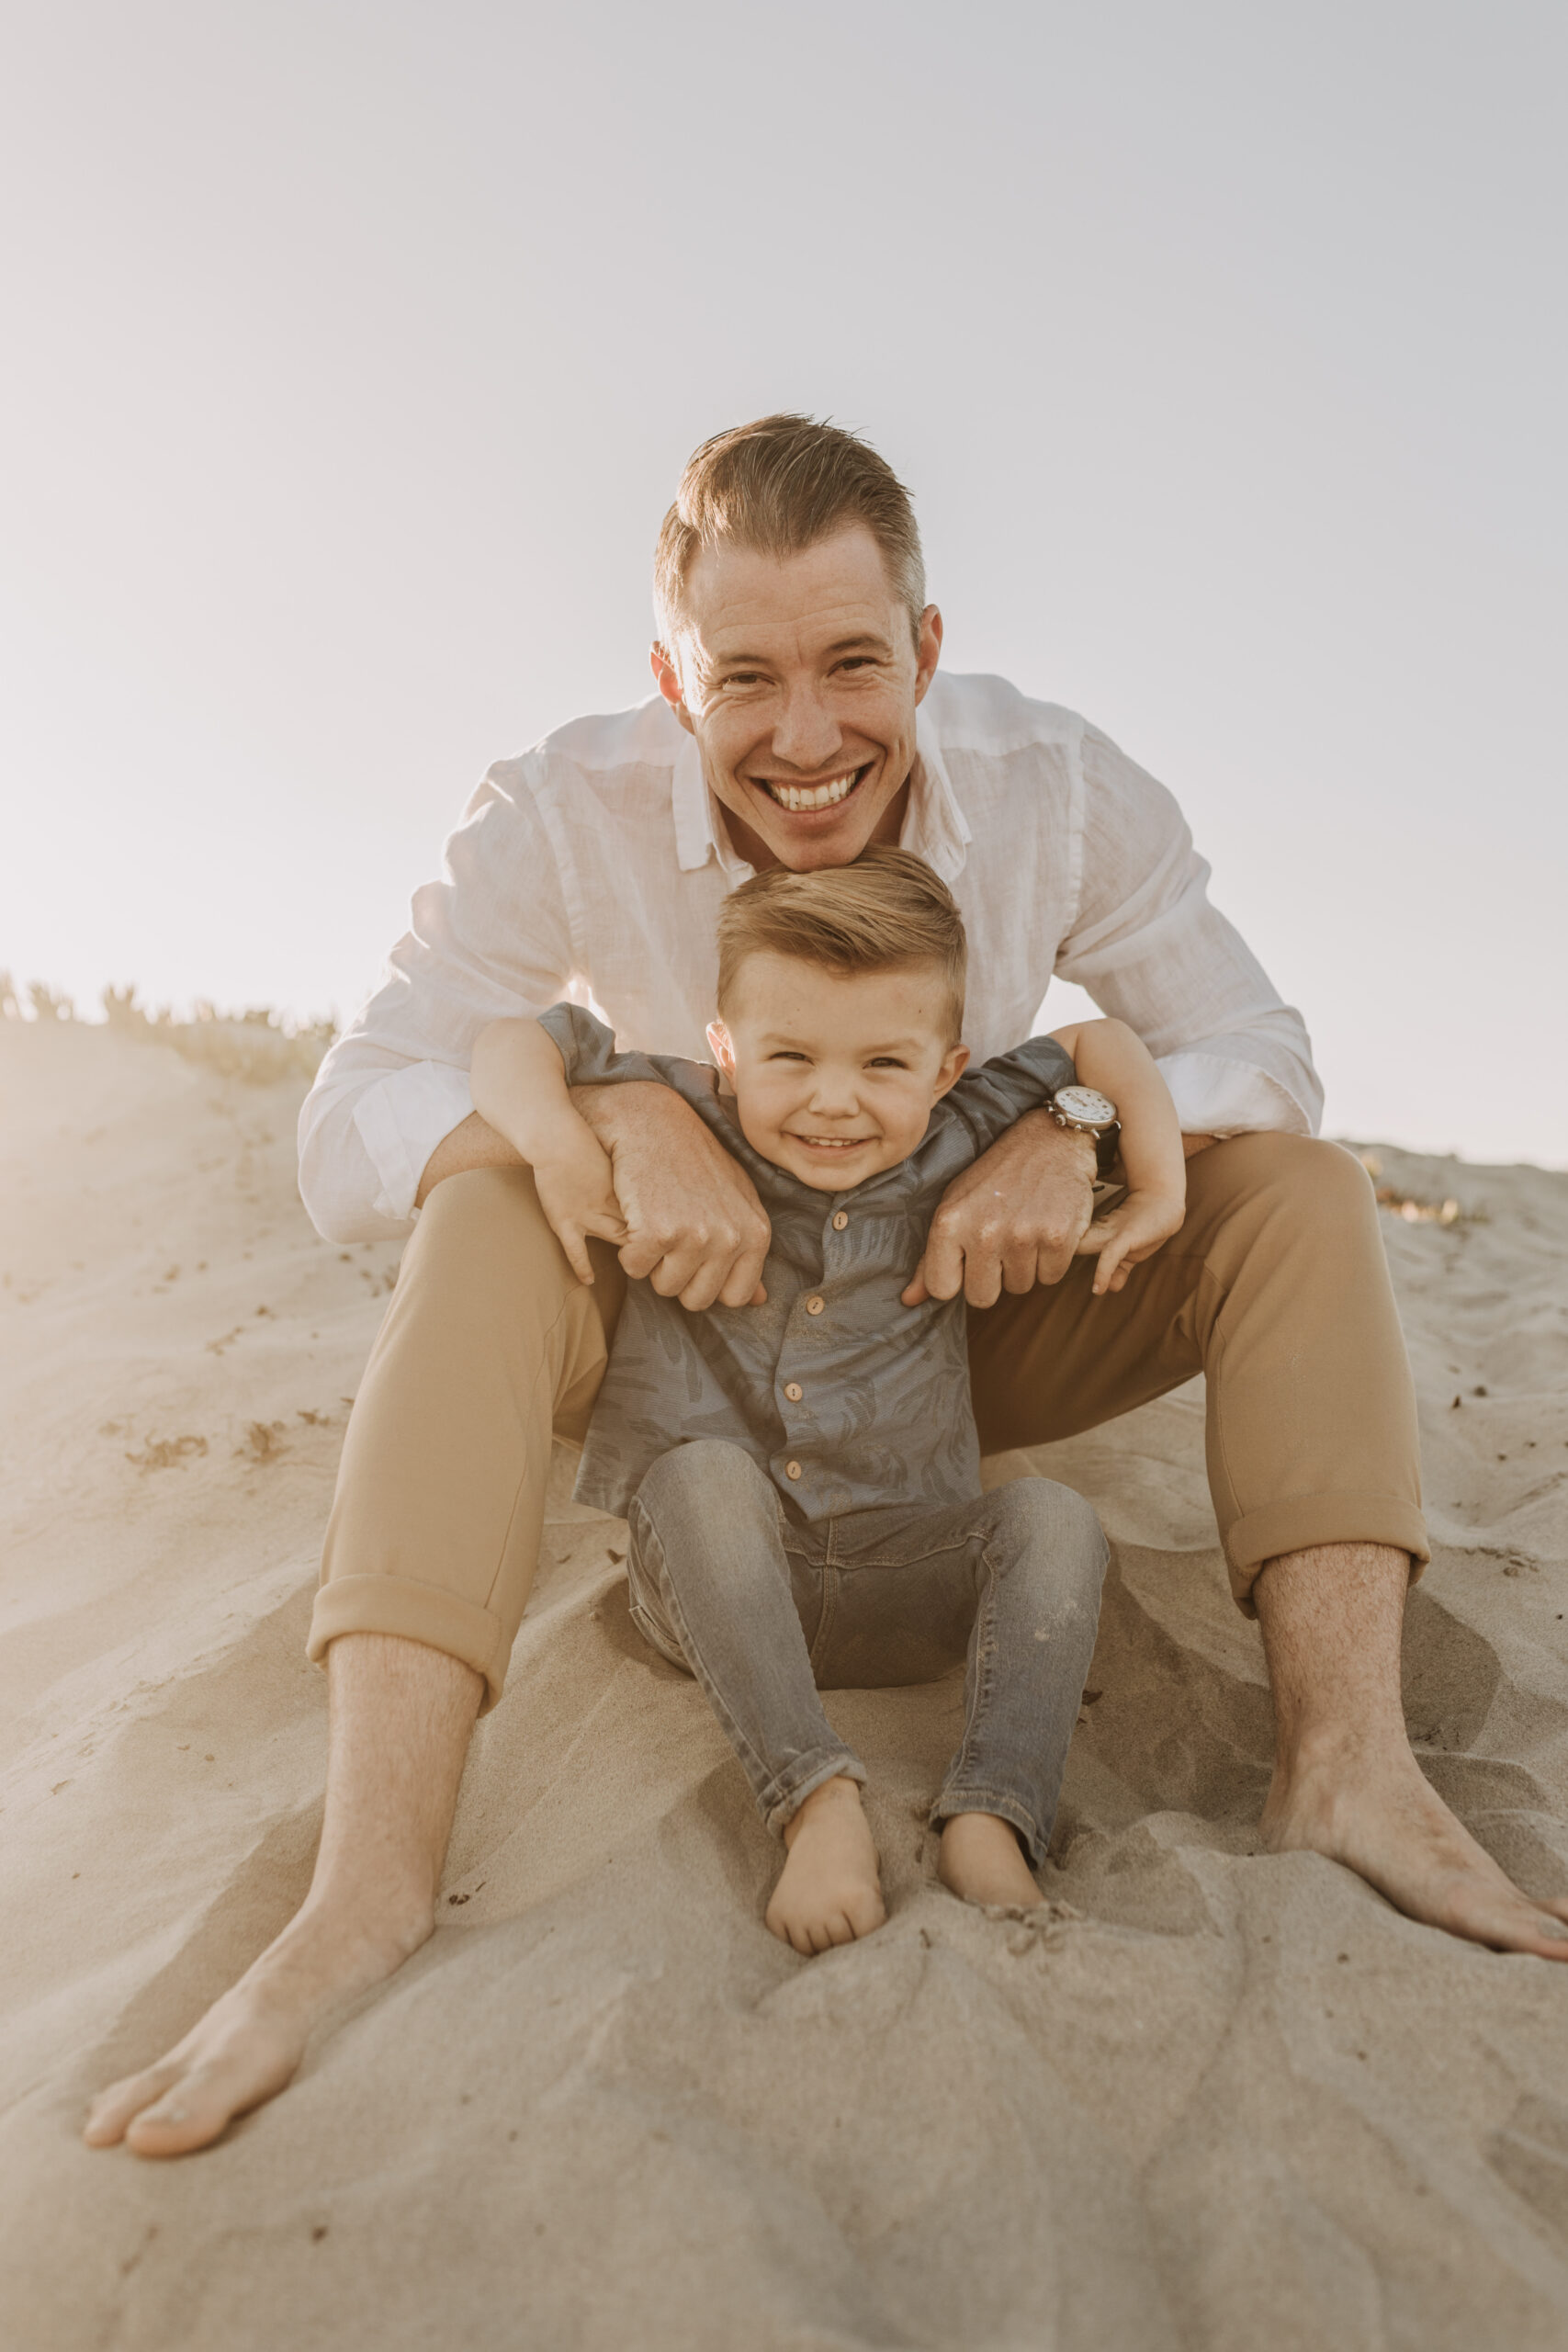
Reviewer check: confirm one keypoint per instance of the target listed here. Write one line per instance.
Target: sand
(1208, 2097)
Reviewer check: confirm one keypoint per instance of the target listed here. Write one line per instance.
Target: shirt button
(791, 1469)
(794, 1391)
(840, 1218)
(814, 1305)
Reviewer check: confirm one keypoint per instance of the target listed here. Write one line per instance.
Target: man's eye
(858, 661)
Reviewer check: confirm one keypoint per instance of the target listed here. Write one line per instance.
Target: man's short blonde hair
(780, 485)
(884, 913)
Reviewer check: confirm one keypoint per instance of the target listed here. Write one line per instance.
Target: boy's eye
(785, 1054)
(887, 1061)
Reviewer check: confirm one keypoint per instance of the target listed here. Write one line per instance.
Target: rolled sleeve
(1151, 949)
(401, 1120)
(489, 940)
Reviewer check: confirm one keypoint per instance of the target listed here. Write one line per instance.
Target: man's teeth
(816, 795)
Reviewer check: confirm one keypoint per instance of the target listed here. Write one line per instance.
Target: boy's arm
(1113, 1059)
(519, 1081)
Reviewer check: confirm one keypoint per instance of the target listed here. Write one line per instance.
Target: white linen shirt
(593, 868)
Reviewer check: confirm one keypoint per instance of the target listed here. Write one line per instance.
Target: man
(800, 718)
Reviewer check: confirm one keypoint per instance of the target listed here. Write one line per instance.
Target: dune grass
(259, 1044)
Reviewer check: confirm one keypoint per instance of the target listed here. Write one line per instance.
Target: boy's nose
(833, 1099)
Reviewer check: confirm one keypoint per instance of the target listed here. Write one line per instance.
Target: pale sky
(353, 352)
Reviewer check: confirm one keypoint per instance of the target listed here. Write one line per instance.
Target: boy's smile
(835, 1074)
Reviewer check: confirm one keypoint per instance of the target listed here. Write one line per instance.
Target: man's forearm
(472, 1143)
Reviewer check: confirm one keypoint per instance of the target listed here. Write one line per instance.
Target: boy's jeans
(764, 1609)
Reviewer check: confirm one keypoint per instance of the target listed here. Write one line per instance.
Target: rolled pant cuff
(812, 1774)
(415, 1613)
(1006, 1808)
(1301, 1522)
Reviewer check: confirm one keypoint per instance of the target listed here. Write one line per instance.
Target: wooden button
(840, 1218)
(794, 1391)
(814, 1305)
(791, 1469)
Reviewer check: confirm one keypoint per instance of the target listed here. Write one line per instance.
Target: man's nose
(807, 735)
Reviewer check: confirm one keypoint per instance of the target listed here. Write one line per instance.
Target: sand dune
(1207, 2098)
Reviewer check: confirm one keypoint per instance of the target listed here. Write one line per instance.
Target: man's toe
(113, 2109)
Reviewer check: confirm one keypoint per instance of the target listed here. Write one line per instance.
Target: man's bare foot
(982, 1861)
(1379, 1815)
(248, 2045)
(400, 1719)
(831, 1889)
(1346, 1784)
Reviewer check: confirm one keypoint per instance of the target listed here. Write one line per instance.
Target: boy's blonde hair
(781, 484)
(882, 913)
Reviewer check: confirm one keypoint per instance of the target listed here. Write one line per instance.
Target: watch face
(1083, 1103)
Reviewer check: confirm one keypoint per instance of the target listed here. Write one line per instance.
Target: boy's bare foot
(831, 1890)
(982, 1861)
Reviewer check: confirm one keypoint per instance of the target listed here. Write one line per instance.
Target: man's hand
(694, 1225)
(1012, 1220)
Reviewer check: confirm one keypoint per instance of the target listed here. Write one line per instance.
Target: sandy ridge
(1209, 2099)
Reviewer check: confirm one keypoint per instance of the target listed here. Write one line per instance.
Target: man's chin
(804, 843)
(808, 839)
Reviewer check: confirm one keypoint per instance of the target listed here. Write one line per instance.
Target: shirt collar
(935, 827)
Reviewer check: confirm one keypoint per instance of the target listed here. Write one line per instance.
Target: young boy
(802, 1476)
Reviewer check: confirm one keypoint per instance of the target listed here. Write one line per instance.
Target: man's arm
(685, 1211)
(696, 1229)
(1013, 1219)
(391, 1110)
(1152, 950)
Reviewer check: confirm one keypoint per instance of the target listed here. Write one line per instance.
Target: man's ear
(723, 1051)
(954, 1062)
(928, 650)
(667, 678)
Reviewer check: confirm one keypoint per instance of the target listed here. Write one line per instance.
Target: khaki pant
(1276, 1287)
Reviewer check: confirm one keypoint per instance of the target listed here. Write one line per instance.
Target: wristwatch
(1083, 1112)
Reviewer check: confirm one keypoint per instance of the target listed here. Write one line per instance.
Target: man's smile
(802, 798)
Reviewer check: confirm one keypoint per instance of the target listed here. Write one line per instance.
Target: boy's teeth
(817, 796)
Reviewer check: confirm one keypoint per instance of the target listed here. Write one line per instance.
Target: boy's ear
(723, 1051)
(954, 1062)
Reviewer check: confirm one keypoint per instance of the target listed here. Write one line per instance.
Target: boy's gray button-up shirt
(845, 1396)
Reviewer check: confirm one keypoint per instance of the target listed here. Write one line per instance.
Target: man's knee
(1312, 1185)
(483, 1211)
(1308, 1171)
(484, 1245)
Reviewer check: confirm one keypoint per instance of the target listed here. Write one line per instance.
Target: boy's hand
(577, 1192)
(1132, 1232)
